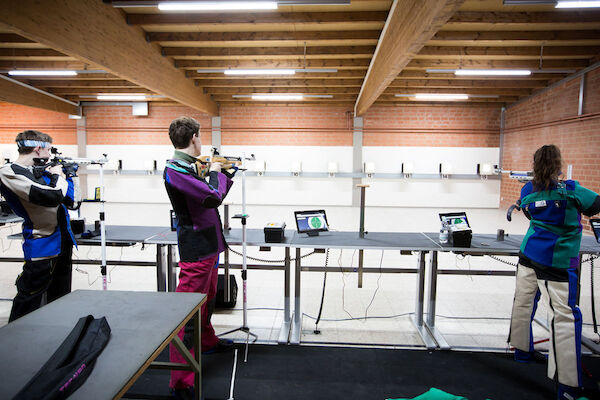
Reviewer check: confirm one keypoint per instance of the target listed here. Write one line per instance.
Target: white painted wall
(137, 195)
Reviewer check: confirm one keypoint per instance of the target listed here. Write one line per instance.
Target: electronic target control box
(274, 232)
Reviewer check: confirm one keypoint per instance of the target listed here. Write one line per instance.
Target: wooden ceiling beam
(172, 38)
(345, 73)
(534, 53)
(282, 83)
(9, 65)
(91, 31)
(287, 89)
(516, 38)
(265, 63)
(409, 25)
(15, 92)
(490, 64)
(474, 91)
(466, 83)
(267, 51)
(526, 18)
(257, 18)
(499, 99)
(336, 97)
(4, 52)
(422, 74)
(74, 91)
(79, 83)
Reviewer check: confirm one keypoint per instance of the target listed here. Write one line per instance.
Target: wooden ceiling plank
(468, 52)
(295, 36)
(7, 65)
(341, 74)
(282, 83)
(12, 91)
(490, 64)
(265, 63)
(466, 83)
(515, 38)
(287, 89)
(79, 83)
(257, 18)
(553, 17)
(266, 51)
(90, 31)
(410, 24)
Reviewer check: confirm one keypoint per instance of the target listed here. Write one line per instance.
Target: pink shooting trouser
(200, 277)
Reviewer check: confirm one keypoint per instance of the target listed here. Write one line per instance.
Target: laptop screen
(311, 221)
(456, 221)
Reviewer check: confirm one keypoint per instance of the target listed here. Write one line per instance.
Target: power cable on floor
(317, 331)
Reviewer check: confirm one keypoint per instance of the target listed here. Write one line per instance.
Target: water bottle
(444, 234)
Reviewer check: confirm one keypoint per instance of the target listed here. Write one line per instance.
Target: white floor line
(233, 375)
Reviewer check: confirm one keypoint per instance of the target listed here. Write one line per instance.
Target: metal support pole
(360, 267)
(297, 324)
(284, 334)
(430, 323)
(197, 355)
(361, 233)
(161, 267)
(171, 271)
(581, 93)
(226, 228)
(417, 319)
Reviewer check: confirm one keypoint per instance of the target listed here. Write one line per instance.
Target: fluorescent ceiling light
(492, 72)
(277, 97)
(259, 72)
(73, 116)
(217, 5)
(42, 73)
(441, 96)
(578, 4)
(122, 97)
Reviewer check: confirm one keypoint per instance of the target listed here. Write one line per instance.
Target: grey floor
(472, 311)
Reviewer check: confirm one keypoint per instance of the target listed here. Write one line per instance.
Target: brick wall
(437, 126)
(15, 118)
(114, 125)
(551, 118)
(286, 126)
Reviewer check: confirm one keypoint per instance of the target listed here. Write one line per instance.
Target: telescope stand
(244, 328)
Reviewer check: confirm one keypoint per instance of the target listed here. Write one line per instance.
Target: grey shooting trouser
(564, 319)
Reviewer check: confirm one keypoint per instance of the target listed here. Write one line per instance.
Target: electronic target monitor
(311, 222)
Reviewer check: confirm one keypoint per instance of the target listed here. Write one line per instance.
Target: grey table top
(416, 241)
(254, 237)
(117, 234)
(10, 218)
(141, 323)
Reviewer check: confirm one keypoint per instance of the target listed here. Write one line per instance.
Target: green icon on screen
(315, 222)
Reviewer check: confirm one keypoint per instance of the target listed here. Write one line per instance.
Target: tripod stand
(244, 217)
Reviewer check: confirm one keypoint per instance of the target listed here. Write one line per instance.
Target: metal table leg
(198, 354)
(226, 287)
(171, 271)
(161, 267)
(417, 319)
(430, 322)
(297, 324)
(284, 333)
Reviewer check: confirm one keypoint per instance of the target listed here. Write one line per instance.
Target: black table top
(141, 323)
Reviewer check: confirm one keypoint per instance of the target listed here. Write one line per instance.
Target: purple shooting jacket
(195, 202)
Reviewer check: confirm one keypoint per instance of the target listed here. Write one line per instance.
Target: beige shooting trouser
(564, 319)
